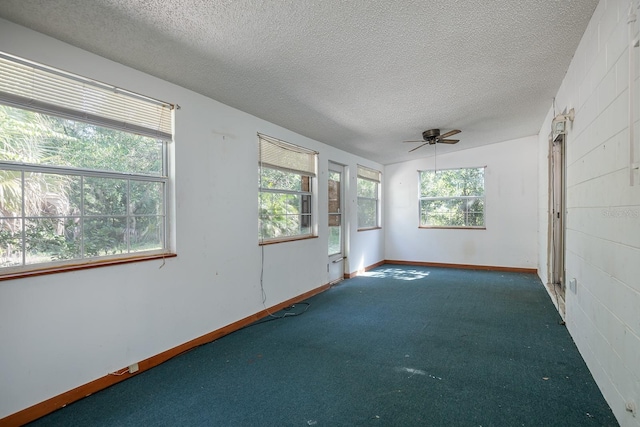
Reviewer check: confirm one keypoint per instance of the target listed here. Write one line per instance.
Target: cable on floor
(286, 314)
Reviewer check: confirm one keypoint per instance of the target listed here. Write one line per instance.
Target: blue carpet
(400, 346)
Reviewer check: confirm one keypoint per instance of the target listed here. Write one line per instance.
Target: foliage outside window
(452, 198)
(368, 198)
(285, 185)
(73, 191)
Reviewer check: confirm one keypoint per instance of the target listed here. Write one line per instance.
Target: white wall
(511, 187)
(543, 198)
(63, 330)
(603, 210)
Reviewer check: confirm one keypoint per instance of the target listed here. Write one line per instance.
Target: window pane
(367, 213)
(475, 213)
(279, 180)
(284, 215)
(145, 233)
(305, 219)
(146, 198)
(441, 213)
(52, 239)
(452, 183)
(334, 196)
(105, 236)
(93, 147)
(51, 194)
(10, 242)
(105, 196)
(367, 188)
(28, 137)
(452, 213)
(266, 204)
(11, 187)
(293, 225)
(305, 225)
(335, 240)
(60, 142)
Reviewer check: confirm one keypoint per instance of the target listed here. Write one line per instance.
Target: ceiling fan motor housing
(431, 135)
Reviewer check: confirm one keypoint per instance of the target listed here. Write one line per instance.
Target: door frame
(556, 243)
(336, 263)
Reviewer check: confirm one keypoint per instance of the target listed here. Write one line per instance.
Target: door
(335, 266)
(557, 218)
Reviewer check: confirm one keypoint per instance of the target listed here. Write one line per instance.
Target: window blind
(278, 154)
(31, 86)
(370, 174)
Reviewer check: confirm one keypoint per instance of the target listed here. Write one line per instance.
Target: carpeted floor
(400, 346)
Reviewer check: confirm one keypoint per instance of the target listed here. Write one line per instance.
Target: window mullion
(278, 191)
(23, 231)
(82, 214)
(128, 219)
(61, 170)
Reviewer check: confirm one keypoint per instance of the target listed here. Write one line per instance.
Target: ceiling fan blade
(449, 141)
(422, 140)
(422, 145)
(450, 133)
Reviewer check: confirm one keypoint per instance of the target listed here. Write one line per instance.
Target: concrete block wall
(602, 209)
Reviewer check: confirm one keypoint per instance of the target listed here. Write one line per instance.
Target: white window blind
(370, 174)
(278, 154)
(28, 85)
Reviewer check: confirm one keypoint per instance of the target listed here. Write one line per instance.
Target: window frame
(266, 162)
(422, 198)
(16, 97)
(366, 174)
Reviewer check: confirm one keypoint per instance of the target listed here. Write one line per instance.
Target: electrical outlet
(573, 285)
(133, 368)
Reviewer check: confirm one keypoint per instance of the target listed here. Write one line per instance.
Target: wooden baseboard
(355, 273)
(464, 266)
(50, 405)
(60, 401)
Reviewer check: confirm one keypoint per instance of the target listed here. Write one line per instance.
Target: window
(368, 198)
(286, 174)
(83, 169)
(452, 198)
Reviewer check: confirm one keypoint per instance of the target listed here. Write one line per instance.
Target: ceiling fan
(433, 136)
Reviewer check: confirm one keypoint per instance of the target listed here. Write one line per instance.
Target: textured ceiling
(360, 75)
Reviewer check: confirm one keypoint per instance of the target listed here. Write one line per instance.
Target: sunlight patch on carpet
(397, 273)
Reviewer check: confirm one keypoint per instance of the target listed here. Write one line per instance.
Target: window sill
(85, 266)
(290, 239)
(369, 228)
